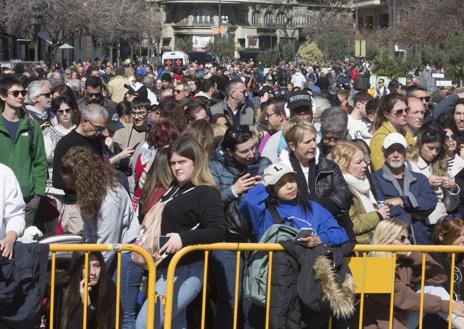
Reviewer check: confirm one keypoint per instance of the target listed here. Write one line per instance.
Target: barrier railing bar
(361, 303)
(268, 289)
(86, 291)
(52, 289)
(450, 314)
(392, 295)
(109, 247)
(205, 285)
(118, 293)
(237, 284)
(421, 305)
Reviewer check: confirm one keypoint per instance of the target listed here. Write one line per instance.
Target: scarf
(362, 190)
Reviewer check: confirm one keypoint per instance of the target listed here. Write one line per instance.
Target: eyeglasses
(47, 95)
(242, 91)
(426, 98)
(403, 238)
(16, 93)
(448, 137)
(178, 91)
(97, 128)
(400, 112)
(63, 111)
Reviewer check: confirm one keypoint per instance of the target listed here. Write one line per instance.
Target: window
(281, 18)
(268, 18)
(256, 18)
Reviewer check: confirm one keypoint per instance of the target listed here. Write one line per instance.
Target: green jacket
(29, 166)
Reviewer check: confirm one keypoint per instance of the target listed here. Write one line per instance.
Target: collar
(421, 164)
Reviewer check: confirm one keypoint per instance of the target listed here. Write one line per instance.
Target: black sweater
(201, 206)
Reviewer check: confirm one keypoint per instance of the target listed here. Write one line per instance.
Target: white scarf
(361, 189)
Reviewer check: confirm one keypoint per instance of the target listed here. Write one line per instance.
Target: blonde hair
(189, 148)
(295, 133)
(343, 152)
(385, 233)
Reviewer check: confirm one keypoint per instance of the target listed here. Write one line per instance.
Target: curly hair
(90, 176)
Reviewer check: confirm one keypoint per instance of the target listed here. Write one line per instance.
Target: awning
(45, 37)
(66, 46)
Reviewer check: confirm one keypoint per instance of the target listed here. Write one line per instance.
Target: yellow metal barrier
(372, 275)
(118, 248)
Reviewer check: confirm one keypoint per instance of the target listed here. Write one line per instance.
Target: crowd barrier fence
(371, 275)
(118, 248)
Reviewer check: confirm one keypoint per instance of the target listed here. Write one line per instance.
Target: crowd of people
(224, 153)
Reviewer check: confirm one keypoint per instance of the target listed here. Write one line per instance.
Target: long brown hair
(386, 105)
(433, 134)
(91, 177)
(100, 295)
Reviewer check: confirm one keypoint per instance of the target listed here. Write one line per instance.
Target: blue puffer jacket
(253, 207)
(226, 171)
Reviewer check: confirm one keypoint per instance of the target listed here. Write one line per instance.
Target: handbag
(150, 232)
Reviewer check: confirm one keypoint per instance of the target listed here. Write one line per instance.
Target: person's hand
(395, 202)
(243, 184)
(458, 308)
(460, 95)
(448, 182)
(7, 244)
(310, 241)
(173, 245)
(126, 153)
(109, 142)
(384, 212)
(435, 181)
(81, 291)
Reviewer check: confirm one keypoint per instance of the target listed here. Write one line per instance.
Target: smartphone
(252, 170)
(304, 233)
(162, 240)
(135, 146)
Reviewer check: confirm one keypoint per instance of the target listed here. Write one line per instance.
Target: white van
(175, 58)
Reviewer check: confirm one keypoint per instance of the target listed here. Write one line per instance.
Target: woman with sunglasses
(430, 159)
(61, 108)
(391, 117)
(236, 168)
(408, 284)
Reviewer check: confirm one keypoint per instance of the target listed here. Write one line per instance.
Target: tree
(223, 45)
(183, 43)
(310, 52)
(287, 52)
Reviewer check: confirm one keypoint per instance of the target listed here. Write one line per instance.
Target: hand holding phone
(252, 170)
(304, 233)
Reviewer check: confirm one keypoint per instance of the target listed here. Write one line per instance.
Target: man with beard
(93, 94)
(407, 193)
(39, 99)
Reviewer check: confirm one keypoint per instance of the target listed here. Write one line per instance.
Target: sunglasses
(234, 134)
(448, 137)
(403, 238)
(47, 95)
(63, 111)
(426, 98)
(400, 112)
(94, 95)
(178, 91)
(450, 218)
(16, 93)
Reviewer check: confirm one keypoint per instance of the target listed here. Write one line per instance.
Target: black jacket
(22, 285)
(296, 296)
(330, 190)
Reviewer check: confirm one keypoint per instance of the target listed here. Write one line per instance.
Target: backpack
(255, 274)
(237, 227)
(150, 232)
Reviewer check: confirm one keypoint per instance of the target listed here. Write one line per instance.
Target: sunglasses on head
(450, 218)
(16, 93)
(235, 133)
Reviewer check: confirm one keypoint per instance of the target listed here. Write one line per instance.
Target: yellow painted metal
(86, 291)
(237, 280)
(205, 285)
(118, 291)
(268, 289)
(379, 272)
(52, 289)
(392, 287)
(151, 268)
(362, 284)
(421, 305)
(453, 264)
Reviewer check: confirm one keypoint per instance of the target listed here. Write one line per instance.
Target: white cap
(394, 138)
(274, 173)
